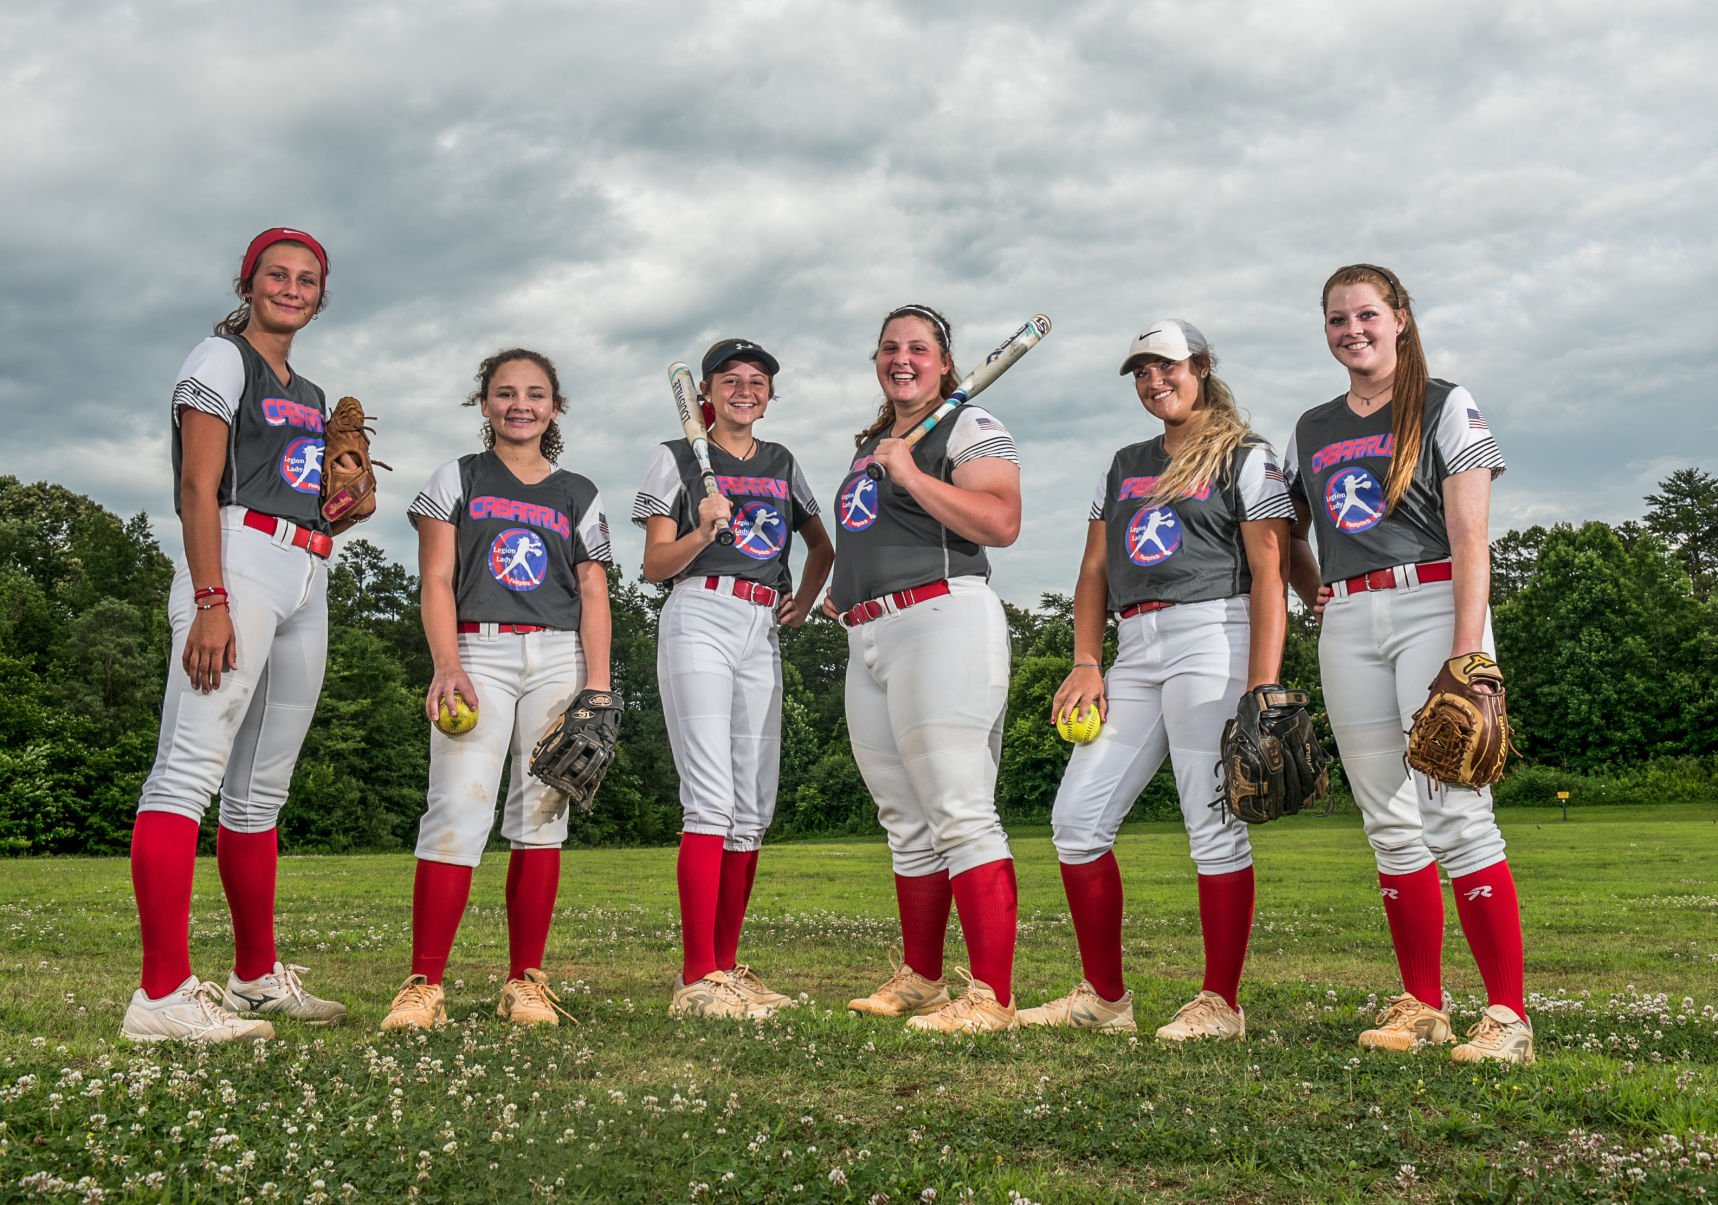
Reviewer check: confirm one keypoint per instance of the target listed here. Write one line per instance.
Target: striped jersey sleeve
(1464, 439)
(662, 488)
(1098, 499)
(212, 380)
(593, 532)
(1263, 487)
(977, 434)
(440, 496)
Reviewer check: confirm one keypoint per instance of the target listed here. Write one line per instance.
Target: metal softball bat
(686, 403)
(978, 380)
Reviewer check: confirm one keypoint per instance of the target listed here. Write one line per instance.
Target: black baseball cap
(738, 349)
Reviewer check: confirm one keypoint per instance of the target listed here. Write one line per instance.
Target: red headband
(281, 234)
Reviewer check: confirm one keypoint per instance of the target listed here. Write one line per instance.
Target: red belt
(516, 629)
(752, 592)
(1141, 608)
(1385, 579)
(313, 542)
(912, 596)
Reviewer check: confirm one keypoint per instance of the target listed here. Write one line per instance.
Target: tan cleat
(192, 1012)
(1500, 1034)
(419, 1004)
(756, 990)
(1406, 1024)
(715, 996)
(1207, 1015)
(977, 1011)
(530, 1001)
(906, 993)
(1083, 1008)
(280, 994)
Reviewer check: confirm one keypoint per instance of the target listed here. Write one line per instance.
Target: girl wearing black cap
(718, 661)
(243, 678)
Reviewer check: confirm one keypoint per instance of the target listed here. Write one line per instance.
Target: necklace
(749, 450)
(1366, 399)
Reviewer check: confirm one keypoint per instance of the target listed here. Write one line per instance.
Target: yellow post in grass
(1563, 797)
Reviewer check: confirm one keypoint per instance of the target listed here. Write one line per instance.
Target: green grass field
(1621, 916)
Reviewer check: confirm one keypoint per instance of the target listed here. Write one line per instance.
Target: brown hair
(550, 446)
(1217, 429)
(945, 340)
(235, 322)
(1408, 387)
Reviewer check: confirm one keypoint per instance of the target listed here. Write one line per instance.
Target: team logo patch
(518, 559)
(301, 465)
(759, 530)
(859, 502)
(1153, 535)
(1354, 500)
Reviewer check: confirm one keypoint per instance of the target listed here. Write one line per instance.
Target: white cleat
(280, 994)
(192, 1012)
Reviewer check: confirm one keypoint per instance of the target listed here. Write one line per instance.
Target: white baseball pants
(927, 688)
(1378, 652)
(523, 682)
(719, 667)
(243, 738)
(1177, 678)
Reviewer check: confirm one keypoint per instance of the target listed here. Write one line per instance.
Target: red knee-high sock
(699, 875)
(163, 859)
(1226, 921)
(533, 878)
(1491, 918)
(924, 901)
(989, 904)
(1414, 905)
(1095, 902)
(247, 862)
(439, 894)
(739, 870)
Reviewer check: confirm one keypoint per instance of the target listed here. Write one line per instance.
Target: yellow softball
(1080, 728)
(461, 719)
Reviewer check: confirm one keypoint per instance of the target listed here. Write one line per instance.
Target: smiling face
(519, 404)
(286, 289)
(911, 364)
(739, 391)
(1361, 329)
(1169, 389)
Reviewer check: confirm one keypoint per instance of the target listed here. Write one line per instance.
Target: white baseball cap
(1170, 338)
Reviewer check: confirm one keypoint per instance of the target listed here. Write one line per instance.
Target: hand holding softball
(1080, 707)
(451, 702)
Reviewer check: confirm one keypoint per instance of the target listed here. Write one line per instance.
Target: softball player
(718, 661)
(1394, 478)
(1188, 548)
(927, 671)
(513, 553)
(249, 614)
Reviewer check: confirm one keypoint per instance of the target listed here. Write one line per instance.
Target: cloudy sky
(619, 185)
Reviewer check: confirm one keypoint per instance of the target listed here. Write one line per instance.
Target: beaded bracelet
(209, 592)
(219, 602)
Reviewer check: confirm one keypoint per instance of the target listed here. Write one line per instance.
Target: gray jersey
(516, 545)
(1338, 463)
(1185, 549)
(771, 502)
(884, 540)
(274, 431)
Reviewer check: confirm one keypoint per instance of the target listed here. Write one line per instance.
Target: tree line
(1608, 637)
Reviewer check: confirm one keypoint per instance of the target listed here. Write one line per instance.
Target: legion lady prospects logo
(859, 499)
(1354, 500)
(759, 531)
(518, 559)
(1153, 535)
(301, 465)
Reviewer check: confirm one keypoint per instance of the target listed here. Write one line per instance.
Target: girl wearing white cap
(1394, 475)
(1188, 548)
(718, 661)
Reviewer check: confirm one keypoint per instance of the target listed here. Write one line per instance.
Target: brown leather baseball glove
(1462, 735)
(348, 478)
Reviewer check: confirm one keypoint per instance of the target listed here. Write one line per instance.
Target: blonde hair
(1408, 386)
(945, 339)
(1216, 430)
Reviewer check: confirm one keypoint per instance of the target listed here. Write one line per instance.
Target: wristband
(209, 592)
(210, 606)
(1086, 665)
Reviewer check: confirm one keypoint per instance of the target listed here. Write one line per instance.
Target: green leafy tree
(1684, 513)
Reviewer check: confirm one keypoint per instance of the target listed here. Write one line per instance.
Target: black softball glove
(1272, 762)
(575, 752)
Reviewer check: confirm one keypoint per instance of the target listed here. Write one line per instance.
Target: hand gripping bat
(978, 380)
(685, 391)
